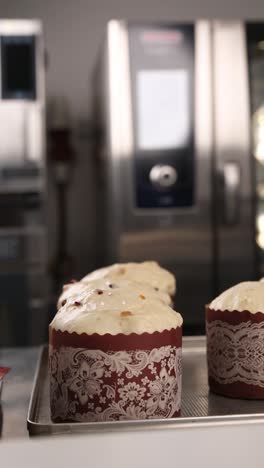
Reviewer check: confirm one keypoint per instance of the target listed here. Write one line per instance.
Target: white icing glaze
(82, 288)
(248, 295)
(131, 308)
(147, 272)
(71, 290)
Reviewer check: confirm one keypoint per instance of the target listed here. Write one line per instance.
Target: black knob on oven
(163, 176)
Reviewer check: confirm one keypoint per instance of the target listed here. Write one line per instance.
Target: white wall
(74, 30)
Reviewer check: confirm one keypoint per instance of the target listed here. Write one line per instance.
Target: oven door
(255, 53)
(159, 190)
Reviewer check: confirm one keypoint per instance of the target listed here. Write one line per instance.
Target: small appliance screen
(163, 110)
(18, 67)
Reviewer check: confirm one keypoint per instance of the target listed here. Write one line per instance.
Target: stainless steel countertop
(16, 390)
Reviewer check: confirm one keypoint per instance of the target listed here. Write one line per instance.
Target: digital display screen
(163, 109)
(18, 67)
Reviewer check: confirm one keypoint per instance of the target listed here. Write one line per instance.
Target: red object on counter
(3, 372)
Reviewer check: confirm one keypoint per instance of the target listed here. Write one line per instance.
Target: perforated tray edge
(193, 345)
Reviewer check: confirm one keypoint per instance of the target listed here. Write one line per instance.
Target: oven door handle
(232, 180)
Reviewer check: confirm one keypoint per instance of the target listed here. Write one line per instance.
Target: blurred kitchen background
(133, 140)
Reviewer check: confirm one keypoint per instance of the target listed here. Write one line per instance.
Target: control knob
(163, 176)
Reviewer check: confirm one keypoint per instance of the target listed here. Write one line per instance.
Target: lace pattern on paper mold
(92, 385)
(236, 352)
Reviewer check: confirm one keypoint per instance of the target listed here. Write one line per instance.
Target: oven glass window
(18, 67)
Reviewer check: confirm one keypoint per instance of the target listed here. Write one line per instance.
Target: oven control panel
(162, 87)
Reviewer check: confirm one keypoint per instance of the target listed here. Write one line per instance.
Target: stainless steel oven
(180, 159)
(23, 227)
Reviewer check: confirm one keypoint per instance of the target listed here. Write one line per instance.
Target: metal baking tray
(199, 406)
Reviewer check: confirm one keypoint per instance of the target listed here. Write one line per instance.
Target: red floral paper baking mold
(235, 353)
(115, 377)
